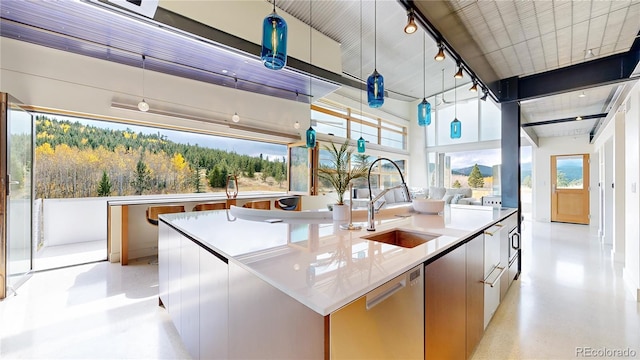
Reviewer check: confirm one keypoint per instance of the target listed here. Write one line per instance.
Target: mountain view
(79, 160)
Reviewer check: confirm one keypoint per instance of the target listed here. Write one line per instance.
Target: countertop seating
(290, 203)
(154, 211)
(263, 204)
(209, 206)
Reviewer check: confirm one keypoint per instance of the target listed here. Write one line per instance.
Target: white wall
(631, 272)
(71, 221)
(244, 19)
(55, 79)
(563, 145)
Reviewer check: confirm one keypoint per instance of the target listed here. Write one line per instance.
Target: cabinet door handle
(493, 283)
(491, 233)
(516, 235)
(386, 294)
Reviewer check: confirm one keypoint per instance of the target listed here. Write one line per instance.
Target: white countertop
(320, 265)
(179, 198)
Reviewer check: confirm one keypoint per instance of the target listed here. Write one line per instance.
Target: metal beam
(558, 121)
(608, 70)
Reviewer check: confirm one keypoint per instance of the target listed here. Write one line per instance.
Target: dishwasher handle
(387, 293)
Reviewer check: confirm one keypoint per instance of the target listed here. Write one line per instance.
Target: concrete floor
(570, 298)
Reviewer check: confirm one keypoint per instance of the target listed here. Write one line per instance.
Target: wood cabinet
(445, 306)
(475, 293)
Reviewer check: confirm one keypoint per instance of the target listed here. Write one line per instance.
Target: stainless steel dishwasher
(387, 323)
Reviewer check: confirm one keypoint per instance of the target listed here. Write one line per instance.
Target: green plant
(475, 177)
(104, 187)
(337, 173)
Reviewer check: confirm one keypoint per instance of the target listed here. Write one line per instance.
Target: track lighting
(411, 23)
(296, 125)
(484, 95)
(578, 118)
(440, 55)
(582, 94)
(459, 74)
(589, 54)
(474, 87)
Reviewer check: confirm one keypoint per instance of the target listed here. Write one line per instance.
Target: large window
(78, 157)
(334, 120)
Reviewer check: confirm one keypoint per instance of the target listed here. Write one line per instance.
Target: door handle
(386, 294)
(516, 235)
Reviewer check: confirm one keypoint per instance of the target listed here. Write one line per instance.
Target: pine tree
(142, 179)
(475, 177)
(104, 187)
(456, 185)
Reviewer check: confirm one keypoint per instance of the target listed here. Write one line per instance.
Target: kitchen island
(242, 287)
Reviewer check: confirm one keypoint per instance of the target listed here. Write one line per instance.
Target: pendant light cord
(143, 67)
(361, 74)
(455, 98)
(274, 5)
(375, 35)
(424, 71)
(310, 52)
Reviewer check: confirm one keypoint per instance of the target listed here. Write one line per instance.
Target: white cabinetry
(193, 287)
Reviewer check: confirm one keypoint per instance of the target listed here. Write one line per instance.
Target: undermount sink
(403, 238)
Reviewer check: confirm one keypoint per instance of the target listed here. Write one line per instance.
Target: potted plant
(338, 175)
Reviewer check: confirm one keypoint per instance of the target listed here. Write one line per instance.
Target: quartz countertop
(317, 263)
(177, 198)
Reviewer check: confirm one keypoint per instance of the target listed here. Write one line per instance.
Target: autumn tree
(456, 185)
(104, 187)
(475, 177)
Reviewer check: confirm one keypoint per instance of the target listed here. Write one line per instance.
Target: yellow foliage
(84, 141)
(127, 135)
(44, 149)
(65, 127)
(178, 162)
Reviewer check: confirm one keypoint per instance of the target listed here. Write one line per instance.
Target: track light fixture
(440, 55)
(459, 74)
(411, 26)
(578, 118)
(582, 94)
(484, 95)
(474, 87)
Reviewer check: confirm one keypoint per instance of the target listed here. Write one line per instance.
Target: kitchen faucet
(371, 226)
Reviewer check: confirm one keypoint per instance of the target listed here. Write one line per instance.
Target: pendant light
(236, 118)
(474, 87)
(361, 142)
(375, 82)
(424, 108)
(311, 134)
(456, 125)
(274, 41)
(142, 105)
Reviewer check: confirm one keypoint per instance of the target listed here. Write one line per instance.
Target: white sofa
(452, 195)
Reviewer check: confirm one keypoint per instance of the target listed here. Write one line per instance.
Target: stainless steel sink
(403, 238)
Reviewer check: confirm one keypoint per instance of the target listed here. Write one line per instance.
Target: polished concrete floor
(570, 298)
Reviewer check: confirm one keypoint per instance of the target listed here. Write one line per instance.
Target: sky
(244, 147)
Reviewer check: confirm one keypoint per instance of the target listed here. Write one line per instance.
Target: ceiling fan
(442, 99)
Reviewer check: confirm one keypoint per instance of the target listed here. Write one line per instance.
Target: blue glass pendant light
(311, 137)
(456, 125)
(424, 108)
(375, 82)
(274, 41)
(361, 145)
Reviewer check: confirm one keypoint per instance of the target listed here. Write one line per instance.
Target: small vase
(340, 212)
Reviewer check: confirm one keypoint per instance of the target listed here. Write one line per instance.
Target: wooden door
(570, 188)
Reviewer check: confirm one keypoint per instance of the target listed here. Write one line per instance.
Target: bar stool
(209, 206)
(288, 203)
(154, 211)
(264, 205)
